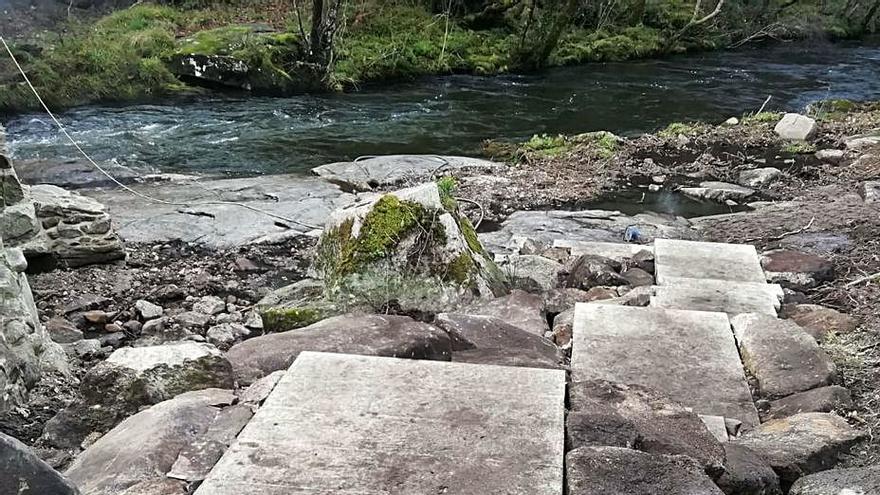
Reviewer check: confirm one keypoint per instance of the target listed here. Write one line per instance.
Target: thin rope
(116, 181)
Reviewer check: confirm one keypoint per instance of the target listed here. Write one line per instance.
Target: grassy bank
(128, 54)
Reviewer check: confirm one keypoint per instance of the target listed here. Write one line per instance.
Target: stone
(254, 321)
(382, 172)
(820, 321)
(157, 326)
(519, 308)
(225, 334)
(193, 319)
(747, 473)
(621, 471)
(63, 331)
(782, 357)
(530, 272)
(379, 335)
(870, 191)
(588, 271)
(113, 340)
(759, 177)
(722, 296)
(258, 391)
(16, 259)
(718, 191)
(796, 270)
(821, 243)
(84, 349)
(617, 251)
(389, 421)
(831, 156)
(562, 299)
(676, 259)
(852, 481)
(732, 121)
(688, 356)
(97, 317)
(143, 448)
(496, 342)
(862, 142)
(243, 264)
(822, 399)
(197, 459)
(637, 277)
(802, 444)
(133, 327)
(148, 310)
(209, 305)
(23, 473)
(563, 324)
(795, 127)
(611, 414)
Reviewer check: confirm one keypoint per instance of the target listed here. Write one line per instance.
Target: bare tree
(696, 20)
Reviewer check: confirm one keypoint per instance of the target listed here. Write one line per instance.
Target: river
(237, 135)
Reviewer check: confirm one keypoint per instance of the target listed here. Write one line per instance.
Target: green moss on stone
(283, 319)
(461, 269)
(762, 118)
(799, 148)
(446, 186)
(470, 235)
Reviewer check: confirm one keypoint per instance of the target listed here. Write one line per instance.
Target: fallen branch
(869, 278)
(784, 234)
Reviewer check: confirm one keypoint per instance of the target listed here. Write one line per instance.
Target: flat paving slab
(722, 296)
(613, 250)
(345, 424)
(706, 260)
(690, 356)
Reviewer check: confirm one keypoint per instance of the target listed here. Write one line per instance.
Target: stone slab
(344, 424)
(612, 250)
(721, 296)
(690, 356)
(706, 260)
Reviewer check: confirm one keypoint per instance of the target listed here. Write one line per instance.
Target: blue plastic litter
(632, 234)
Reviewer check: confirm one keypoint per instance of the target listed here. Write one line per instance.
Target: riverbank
(148, 52)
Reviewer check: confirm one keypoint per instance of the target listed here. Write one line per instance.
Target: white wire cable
(116, 181)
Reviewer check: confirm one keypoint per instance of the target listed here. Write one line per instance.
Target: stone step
(706, 260)
(722, 296)
(613, 250)
(690, 356)
(345, 424)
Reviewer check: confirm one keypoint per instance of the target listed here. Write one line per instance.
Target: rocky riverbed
(218, 280)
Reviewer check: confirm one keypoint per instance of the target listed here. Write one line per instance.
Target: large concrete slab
(721, 296)
(690, 356)
(706, 260)
(613, 250)
(344, 424)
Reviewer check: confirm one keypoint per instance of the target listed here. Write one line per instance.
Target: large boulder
(588, 271)
(796, 270)
(372, 335)
(747, 473)
(23, 473)
(853, 481)
(531, 272)
(795, 127)
(621, 471)
(489, 340)
(802, 444)
(135, 457)
(783, 357)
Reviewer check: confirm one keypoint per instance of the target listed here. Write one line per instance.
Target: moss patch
(461, 269)
(799, 148)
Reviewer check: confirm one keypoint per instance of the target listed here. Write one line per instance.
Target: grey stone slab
(613, 250)
(345, 424)
(690, 356)
(691, 259)
(721, 296)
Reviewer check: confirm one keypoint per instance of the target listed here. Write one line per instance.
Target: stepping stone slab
(344, 424)
(721, 296)
(823, 399)
(802, 444)
(747, 473)
(819, 321)
(689, 356)
(691, 259)
(519, 308)
(781, 355)
(488, 340)
(853, 481)
(607, 470)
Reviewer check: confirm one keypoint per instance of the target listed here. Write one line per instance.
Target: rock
(718, 191)
(63, 331)
(759, 177)
(148, 310)
(519, 309)
(113, 340)
(133, 327)
(143, 448)
(833, 157)
(495, 342)
(531, 272)
(224, 335)
(782, 357)
(732, 121)
(795, 127)
(382, 172)
(243, 264)
(817, 242)
(196, 460)
(193, 319)
(17, 262)
(853, 481)
(415, 234)
(84, 349)
(563, 324)
(796, 270)
(97, 317)
(747, 473)
(802, 444)
(23, 473)
(375, 335)
(644, 260)
(820, 321)
(157, 326)
(254, 321)
(72, 173)
(559, 300)
(610, 414)
(209, 305)
(258, 391)
(823, 399)
(589, 271)
(638, 277)
(870, 191)
(607, 470)
(861, 143)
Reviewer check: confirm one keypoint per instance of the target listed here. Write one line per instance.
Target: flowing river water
(240, 135)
